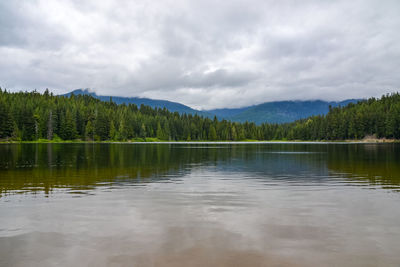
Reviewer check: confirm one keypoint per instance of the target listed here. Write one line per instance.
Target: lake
(261, 204)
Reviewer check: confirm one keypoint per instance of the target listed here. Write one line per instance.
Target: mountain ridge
(284, 111)
(154, 103)
(271, 112)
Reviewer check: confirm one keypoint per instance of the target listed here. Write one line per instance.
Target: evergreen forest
(32, 116)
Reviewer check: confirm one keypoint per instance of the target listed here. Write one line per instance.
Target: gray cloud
(202, 53)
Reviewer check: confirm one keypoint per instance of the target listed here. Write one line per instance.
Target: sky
(205, 54)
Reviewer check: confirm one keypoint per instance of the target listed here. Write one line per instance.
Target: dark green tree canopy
(32, 116)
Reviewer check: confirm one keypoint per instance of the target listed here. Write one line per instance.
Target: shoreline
(367, 141)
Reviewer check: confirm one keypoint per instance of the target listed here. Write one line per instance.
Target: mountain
(154, 103)
(278, 111)
(227, 112)
(272, 112)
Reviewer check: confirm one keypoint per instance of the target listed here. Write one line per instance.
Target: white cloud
(203, 53)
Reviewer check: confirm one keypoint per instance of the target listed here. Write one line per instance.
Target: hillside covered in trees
(27, 116)
(279, 111)
(138, 101)
(268, 112)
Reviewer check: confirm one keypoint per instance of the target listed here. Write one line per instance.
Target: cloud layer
(203, 53)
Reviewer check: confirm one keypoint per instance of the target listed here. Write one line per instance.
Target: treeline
(372, 117)
(33, 116)
(30, 116)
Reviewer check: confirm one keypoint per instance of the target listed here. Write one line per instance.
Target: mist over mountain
(272, 112)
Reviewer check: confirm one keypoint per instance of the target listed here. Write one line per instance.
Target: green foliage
(68, 126)
(56, 138)
(372, 117)
(34, 116)
(212, 135)
(89, 131)
(6, 122)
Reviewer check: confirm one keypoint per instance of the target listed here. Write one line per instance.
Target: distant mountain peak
(82, 91)
(154, 103)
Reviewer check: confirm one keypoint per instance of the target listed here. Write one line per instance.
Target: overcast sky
(205, 54)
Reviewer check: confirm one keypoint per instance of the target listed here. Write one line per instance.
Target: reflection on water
(374, 164)
(199, 204)
(79, 167)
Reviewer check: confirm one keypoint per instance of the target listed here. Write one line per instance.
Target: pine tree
(212, 135)
(68, 127)
(89, 131)
(50, 126)
(143, 131)
(113, 132)
(6, 121)
(102, 126)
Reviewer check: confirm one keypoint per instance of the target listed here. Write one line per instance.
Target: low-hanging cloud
(203, 53)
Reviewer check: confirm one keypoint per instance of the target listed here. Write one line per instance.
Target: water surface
(199, 204)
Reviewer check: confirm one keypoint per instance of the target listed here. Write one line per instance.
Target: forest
(32, 116)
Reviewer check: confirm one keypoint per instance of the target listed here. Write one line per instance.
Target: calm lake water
(200, 205)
